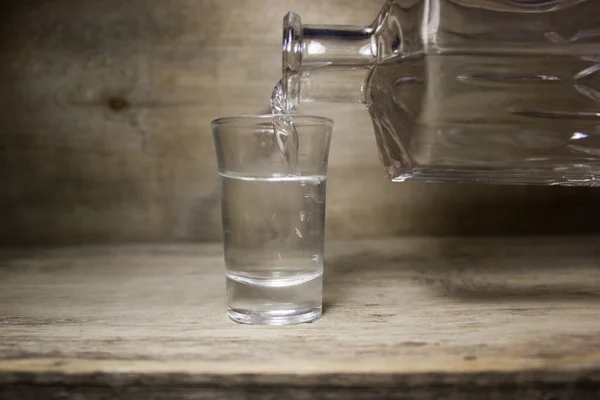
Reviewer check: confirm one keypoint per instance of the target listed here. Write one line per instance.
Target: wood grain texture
(105, 133)
(404, 319)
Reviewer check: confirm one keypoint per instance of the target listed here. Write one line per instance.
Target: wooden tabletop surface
(407, 318)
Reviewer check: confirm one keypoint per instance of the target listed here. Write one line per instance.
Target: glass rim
(245, 119)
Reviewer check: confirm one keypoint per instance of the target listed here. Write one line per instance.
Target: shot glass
(273, 177)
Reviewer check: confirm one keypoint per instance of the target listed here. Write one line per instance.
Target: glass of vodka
(273, 177)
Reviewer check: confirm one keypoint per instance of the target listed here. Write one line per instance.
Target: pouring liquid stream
(285, 132)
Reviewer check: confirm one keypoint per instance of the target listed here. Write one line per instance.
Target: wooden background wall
(104, 128)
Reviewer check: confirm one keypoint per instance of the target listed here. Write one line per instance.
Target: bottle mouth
(292, 44)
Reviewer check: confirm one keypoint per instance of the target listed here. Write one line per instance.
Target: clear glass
(492, 91)
(273, 210)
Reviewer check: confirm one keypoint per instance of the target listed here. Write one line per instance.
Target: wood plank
(403, 317)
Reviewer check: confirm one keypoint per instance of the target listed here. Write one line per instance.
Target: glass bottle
(495, 91)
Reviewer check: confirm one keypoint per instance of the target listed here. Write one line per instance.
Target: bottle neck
(326, 63)
(306, 46)
(333, 84)
(336, 45)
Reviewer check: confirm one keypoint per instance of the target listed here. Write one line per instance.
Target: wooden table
(404, 319)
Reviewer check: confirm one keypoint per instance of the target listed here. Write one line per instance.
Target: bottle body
(512, 95)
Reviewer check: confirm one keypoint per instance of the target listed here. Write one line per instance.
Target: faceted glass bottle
(495, 91)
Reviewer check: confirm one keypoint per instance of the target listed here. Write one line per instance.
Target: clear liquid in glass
(273, 232)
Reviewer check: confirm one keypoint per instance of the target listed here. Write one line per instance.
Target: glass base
(287, 300)
(277, 318)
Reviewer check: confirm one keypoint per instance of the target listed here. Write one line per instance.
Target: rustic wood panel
(105, 128)
(404, 319)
